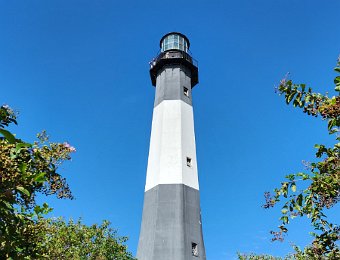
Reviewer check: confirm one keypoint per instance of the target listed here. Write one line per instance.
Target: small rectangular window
(186, 91)
(194, 249)
(189, 160)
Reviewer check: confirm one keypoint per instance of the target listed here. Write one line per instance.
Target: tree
(323, 178)
(74, 240)
(28, 169)
(310, 194)
(257, 257)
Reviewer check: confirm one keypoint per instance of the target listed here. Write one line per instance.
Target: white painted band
(172, 142)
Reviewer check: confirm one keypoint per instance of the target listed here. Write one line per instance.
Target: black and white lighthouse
(171, 224)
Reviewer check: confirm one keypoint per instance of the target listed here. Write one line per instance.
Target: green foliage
(322, 179)
(7, 116)
(26, 170)
(257, 257)
(74, 240)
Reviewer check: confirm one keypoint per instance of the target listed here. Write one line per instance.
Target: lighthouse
(171, 226)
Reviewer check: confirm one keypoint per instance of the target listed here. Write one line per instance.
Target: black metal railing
(175, 54)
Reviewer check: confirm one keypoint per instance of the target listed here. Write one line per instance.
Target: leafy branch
(322, 180)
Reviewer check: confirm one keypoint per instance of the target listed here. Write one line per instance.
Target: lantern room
(174, 41)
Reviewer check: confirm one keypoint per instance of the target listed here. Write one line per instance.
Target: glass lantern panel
(174, 41)
(181, 40)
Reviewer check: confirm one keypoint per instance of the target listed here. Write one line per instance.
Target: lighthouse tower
(171, 224)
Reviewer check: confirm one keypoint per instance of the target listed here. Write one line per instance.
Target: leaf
(283, 229)
(290, 97)
(23, 168)
(8, 136)
(293, 187)
(284, 219)
(334, 130)
(40, 177)
(299, 200)
(331, 123)
(23, 190)
(18, 146)
(45, 209)
(337, 81)
(37, 209)
(7, 204)
(290, 177)
(297, 207)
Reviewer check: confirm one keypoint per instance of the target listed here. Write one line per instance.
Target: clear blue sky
(79, 69)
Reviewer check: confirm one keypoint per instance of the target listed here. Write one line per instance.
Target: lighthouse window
(189, 161)
(194, 249)
(186, 91)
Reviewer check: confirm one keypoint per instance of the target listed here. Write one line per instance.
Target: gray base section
(171, 223)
